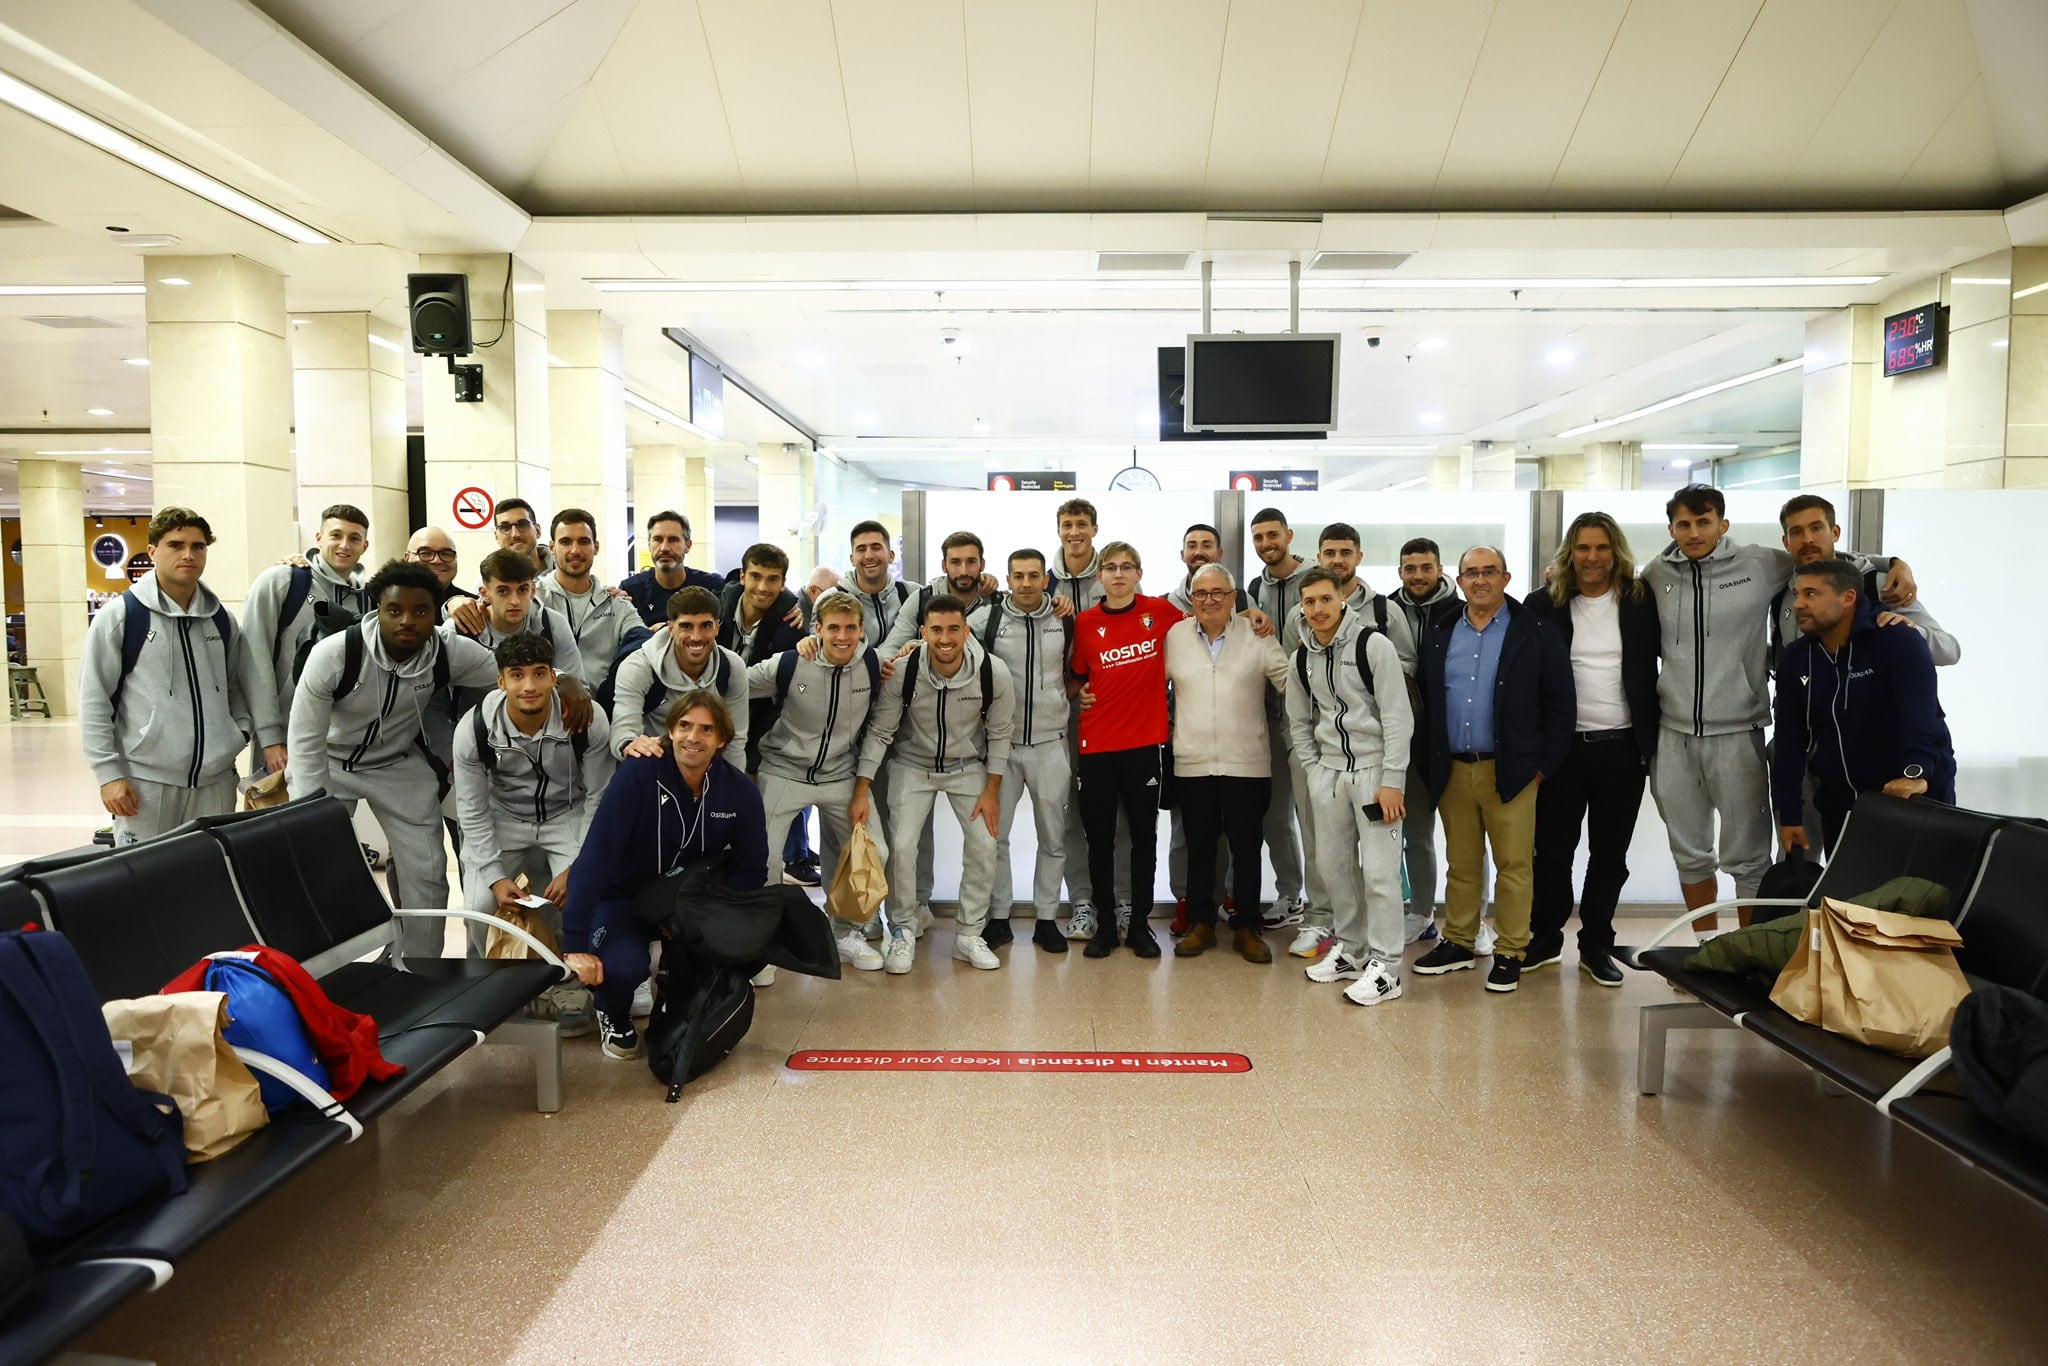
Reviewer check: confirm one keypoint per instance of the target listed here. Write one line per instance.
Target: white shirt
(1596, 662)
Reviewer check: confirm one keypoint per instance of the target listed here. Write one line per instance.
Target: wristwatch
(1915, 771)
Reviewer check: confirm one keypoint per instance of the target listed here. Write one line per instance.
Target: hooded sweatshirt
(1858, 718)
(943, 729)
(1399, 629)
(271, 649)
(910, 619)
(185, 711)
(1335, 722)
(541, 622)
(1084, 590)
(1278, 596)
(650, 678)
(1714, 615)
(596, 619)
(375, 725)
(1033, 645)
(877, 610)
(1420, 614)
(536, 779)
(816, 736)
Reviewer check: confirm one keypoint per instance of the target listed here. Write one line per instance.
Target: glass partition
(1752, 515)
(1454, 521)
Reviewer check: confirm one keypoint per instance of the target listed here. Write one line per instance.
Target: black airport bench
(1996, 870)
(291, 878)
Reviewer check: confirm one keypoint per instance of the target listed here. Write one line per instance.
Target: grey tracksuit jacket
(943, 730)
(656, 662)
(1034, 647)
(816, 735)
(1940, 644)
(1335, 723)
(375, 725)
(542, 622)
(271, 650)
(596, 619)
(1294, 629)
(877, 610)
(537, 780)
(904, 628)
(1278, 597)
(1713, 616)
(185, 711)
(1084, 590)
(1418, 613)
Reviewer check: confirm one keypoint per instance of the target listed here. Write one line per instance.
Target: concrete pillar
(1564, 471)
(1445, 470)
(1613, 465)
(2026, 383)
(501, 444)
(587, 427)
(700, 505)
(785, 499)
(53, 576)
(1487, 470)
(220, 408)
(348, 404)
(1842, 355)
(657, 487)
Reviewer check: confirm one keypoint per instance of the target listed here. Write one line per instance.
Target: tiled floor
(1451, 1177)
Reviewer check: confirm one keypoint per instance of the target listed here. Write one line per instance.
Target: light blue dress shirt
(1470, 666)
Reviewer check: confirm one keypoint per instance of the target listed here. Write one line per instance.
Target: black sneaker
(1445, 957)
(1600, 967)
(618, 1038)
(1506, 974)
(1103, 942)
(1140, 939)
(1541, 956)
(1046, 934)
(998, 932)
(804, 872)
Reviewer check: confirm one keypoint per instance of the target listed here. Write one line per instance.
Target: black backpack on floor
(701, 1012)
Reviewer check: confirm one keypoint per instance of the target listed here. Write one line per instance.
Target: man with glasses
(431, 547)
(1072, 575)
(517, 527)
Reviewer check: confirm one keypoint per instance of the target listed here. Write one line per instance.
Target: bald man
(431, 547)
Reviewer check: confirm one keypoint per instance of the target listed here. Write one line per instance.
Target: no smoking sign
(473, 508)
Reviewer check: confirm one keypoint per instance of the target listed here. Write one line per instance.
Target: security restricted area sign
(1051, 1060)
(473, 508)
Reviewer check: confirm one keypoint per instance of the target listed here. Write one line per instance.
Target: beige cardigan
(1219, 709)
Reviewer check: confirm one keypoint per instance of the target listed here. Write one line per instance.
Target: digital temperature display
(1912, 341)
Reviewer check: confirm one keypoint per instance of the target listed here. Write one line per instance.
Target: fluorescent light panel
(1685, 446)
(1677, 400)
(1096, 286)
(86, 128)
(661, 414)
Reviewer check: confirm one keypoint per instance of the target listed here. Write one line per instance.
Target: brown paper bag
(859, 883)
(173, 1044)
(1877, 977)
(535, 922)
(265, 791)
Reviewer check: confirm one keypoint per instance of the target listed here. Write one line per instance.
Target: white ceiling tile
(777, 68)
(1156, 67)
(1030, 90)
(1654, 87)
(911, 146)
(581, 164)
(1282, 79)
(1408, 73)
(1962, 153)
(2012, 52)
(1533, 76)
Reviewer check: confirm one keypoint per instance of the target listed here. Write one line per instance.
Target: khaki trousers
(1475, 817)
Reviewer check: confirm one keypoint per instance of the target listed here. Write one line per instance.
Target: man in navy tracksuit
(1856, 704)
(660, 813)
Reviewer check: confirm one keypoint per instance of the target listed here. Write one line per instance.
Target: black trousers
(1214, 811)
(1127, 781)
(1600, 786)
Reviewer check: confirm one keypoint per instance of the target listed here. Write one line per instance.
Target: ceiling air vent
(1360, 260)
(63, 323)
(1142, 260)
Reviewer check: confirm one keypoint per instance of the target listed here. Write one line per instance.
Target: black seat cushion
(1953, 1122)
(18, 906)
(1858, 1068)
(1889, 837)
(475, 993)
(424, 1051)
(60, 1303)
(140, 915)
(1724, 991)
(301, 870)
(2005, 926)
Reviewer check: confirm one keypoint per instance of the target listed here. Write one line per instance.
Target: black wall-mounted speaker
(440, 314)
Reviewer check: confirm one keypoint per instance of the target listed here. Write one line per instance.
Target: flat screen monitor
(1283, 383)
(1173, 384)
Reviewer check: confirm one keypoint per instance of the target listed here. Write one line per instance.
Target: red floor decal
(1051, 1060)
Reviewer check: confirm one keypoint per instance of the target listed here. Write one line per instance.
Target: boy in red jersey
(1120, 657)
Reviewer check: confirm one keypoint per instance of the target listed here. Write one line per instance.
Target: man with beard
(1277, 593)
(279, 614)
(684, 658)
(517, 527)
(668, 544)
(1424, 595)
(599, 618)
(871, 581)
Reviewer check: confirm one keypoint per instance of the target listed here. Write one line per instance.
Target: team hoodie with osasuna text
(816, 736)
(943, 730)
(186, 710)
(535, 779)
(1033, 646)
(1714, 617)
(1334, 722)
(375, 724)
(655, 664)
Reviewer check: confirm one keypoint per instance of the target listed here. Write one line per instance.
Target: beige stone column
(785, 501)
(53, 576)
(2026, 383)
(1842, 354)
(220, 408)
(1565, 471)
(657, 487)
(1613, 465)
(700, 505)
(348, 404)
(587, 428)
(1445, 469)
(1487, 470)
(501, 444)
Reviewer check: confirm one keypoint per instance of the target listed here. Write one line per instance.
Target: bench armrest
(158, 1268)
(540, 950)
(312, 1092)
(1907, 1085)
(1678, 923)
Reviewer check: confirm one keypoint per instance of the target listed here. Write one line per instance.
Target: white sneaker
(1374, 985)
(875, 928)
(902, 952)
(1081, 924)
(1482, 942)
(643, 1000)
(973, 950)
(1334, 966)
(764, 978)
(1310, 941)
(1282, 914)
(855, 949)
(924, 920)
(1123, 918)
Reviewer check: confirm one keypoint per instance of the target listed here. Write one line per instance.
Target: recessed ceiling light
(1689, 446)
(390, 345)
(302, 322)
(1429, 418)
(864, 420)
(812, 359)
(136, 360)
(1560, 355)
(2002, 341)
(981, 429)
(1681, 464)
(99, 412)
(178, 281)
(1431, 344)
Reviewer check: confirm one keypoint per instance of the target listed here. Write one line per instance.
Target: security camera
(950, 339)
(1372, 340)
(1373, 335)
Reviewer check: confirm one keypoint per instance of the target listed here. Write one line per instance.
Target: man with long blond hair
(1610, 626)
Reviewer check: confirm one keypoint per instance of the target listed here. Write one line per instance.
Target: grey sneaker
(1081, 924)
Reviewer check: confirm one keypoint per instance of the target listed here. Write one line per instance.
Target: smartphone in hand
(1375, 812)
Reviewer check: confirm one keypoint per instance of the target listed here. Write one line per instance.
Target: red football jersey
(1122, 658)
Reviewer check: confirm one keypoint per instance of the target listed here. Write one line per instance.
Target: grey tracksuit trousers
(1361, 865)
(782, 798)
(406, 800)
(539, 851)
(1696, 777)
(161, 807)
(1043, 771)
(913, 793)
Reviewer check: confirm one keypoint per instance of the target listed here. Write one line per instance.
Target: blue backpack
(262, 1017)
(78, 1141)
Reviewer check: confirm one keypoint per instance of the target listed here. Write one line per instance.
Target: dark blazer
(1534, 703)
(1638, 657)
